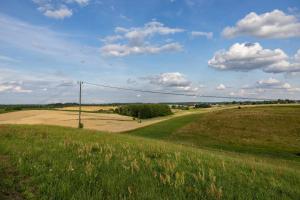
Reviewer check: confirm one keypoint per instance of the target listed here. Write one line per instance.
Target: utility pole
(79, 113)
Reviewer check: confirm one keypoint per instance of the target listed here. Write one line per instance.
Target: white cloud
(268, 82)
(272, 84)
(134, 40)
(125, 50)
(171, 79)
(80, 2)
(208, 35)
(137, 35)
(174, 80)
(58, 9)
(221, 87)
(111, 38)
(250, 56)
(13, 87)
(275, 24)
(60, 13)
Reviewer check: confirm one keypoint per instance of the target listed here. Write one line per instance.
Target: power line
(175, 93)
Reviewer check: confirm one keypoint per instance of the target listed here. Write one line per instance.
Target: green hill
(49, 162)
(266, 130)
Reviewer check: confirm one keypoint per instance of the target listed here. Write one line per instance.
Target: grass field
(66, 163)
(248, 153)
(265, 130)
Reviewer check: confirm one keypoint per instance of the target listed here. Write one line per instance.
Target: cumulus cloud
(134, 40)
(13, 87)
(60, 13)
(272, 84)
(250, 56)
(173, 80)
(275, 24)
(221, 87)
(208, 35)
(58, 9)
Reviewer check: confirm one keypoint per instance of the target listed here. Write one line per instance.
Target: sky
(248, 48)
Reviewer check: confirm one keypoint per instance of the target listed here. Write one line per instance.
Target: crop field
(247, 153)
(88, 108)
(98, 121)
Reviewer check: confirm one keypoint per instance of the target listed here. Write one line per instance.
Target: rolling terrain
(248, 153)
(266, 130)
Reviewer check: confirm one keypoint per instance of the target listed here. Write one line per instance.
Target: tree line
(144, 111)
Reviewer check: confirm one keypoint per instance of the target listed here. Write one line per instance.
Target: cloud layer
(275, 24)
(272, 84)
(250, 56)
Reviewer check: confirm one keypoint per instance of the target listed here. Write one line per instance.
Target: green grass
(64, 163)
(265, 130)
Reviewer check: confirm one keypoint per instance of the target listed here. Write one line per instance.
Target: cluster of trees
(202, 105)
(180, 107)
(144, 111)
(278, 101)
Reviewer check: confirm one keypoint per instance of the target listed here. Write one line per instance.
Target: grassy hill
(266, 130)
(48, 162)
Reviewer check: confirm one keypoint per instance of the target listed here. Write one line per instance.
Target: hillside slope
(65, 163)
(266, 130)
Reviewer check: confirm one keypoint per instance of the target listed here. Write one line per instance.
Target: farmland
(268, 130)
(98, 121)
(214, 153)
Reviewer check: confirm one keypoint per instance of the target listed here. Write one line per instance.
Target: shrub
(144, 111)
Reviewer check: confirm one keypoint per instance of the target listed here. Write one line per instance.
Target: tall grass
(66, 163)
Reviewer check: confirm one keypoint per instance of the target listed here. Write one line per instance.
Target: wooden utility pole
(79, 113)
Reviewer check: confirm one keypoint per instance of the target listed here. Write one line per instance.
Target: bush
(144, 111)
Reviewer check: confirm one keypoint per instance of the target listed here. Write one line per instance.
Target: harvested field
(96, 121)
(88, 108)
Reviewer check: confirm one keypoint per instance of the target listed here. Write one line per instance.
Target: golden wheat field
(88, 108)
(97, 121)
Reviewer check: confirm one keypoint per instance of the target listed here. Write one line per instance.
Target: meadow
(272, 131)
(173, 159)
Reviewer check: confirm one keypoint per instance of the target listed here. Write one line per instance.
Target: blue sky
(227, 48)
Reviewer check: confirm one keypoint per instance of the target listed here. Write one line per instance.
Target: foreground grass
(65, 163)
(265, 130)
